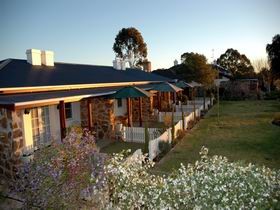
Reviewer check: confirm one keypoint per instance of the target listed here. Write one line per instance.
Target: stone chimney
(33, 57)
(47, 58)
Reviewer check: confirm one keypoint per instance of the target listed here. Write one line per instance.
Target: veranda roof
(183, 84)
(195, 84)
(166, 87)
(130, 92)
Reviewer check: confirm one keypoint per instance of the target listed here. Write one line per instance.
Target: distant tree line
(129, 44)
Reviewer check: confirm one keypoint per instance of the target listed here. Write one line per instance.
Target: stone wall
(11, 144)
(165, 101)
(103, 118)
(147, 109)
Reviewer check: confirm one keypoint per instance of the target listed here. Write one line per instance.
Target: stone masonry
(11, 142)
(147, 109)
(103, 119)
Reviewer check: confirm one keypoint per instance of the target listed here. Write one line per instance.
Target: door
(40, 127)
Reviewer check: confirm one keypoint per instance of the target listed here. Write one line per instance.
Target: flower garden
(76, 175)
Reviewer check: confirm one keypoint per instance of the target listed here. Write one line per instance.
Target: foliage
(272, 95)
(57, 174)
(119, 146)
(180, 134)
(147, 139)
(164, 147)
(195, 68)
(167, 120)
(260, 64)
(273, 51)
(129, 44)
(210, 183)
(183, 98)
(239, 65)
(266, 78)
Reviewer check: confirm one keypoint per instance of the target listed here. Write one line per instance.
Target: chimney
(176, 62)
(147, 66)
(47, 58)
(34, 57)
(123, 67)
(119, 64)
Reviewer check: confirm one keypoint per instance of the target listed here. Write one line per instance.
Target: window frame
(68, 110)
(119, 102)
(41, 127)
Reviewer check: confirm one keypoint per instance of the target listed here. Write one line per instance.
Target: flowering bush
(57, 174)
(211, 183)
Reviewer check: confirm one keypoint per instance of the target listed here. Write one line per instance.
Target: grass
(245, 133)
(117, 147)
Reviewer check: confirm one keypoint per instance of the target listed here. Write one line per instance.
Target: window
(68, 110)
(119, 102)
(40, 127)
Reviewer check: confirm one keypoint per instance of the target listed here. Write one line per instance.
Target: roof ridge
(4, 63)
(82, 64)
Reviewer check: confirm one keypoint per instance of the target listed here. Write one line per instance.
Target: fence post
(169, 135)
(124, 133)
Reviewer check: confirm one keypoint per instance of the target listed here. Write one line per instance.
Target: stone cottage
(40, 99)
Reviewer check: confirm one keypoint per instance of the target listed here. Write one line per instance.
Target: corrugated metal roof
(19, 73)
(33, 98)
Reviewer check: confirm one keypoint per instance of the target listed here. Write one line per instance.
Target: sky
(84, 31)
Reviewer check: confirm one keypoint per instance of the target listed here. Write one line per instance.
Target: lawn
(117, 147)
(245, 133)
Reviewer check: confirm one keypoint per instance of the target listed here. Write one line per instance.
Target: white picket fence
(189, 108)
(154, 144)
(200, 101)
(137, 134)
(188, 119)
(176, 115)
(166, 136)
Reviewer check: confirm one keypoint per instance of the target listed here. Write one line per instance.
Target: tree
(239, 65)
(129, 45)
(265, 78)
(194, 67)
(273, 51)
(260, 64)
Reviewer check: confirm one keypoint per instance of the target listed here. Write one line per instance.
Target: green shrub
(272, 95)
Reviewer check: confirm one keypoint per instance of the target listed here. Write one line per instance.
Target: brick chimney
(147, 66)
